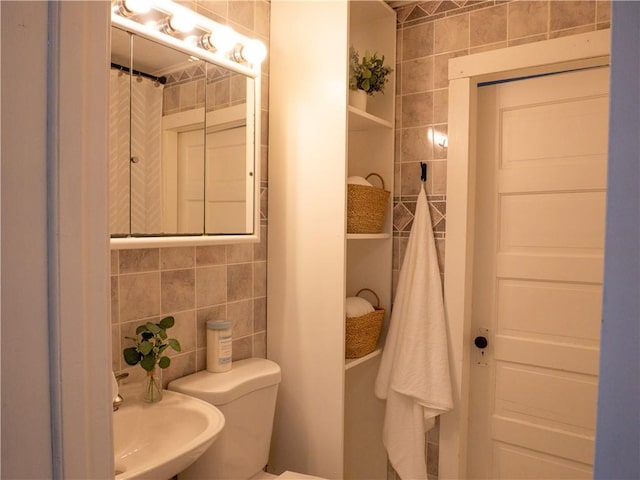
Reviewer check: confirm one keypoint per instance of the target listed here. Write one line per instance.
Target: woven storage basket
(366, 207)
(363, 332)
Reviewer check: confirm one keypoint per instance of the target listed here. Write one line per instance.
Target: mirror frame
(254, 73)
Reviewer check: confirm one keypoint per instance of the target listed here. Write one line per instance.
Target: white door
(226, 204)
(538, 266)
(191, 182)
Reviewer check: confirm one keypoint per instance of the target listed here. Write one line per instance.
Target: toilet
(246, 396)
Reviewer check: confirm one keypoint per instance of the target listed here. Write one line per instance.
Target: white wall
(56, 412)
(26, 431)
(306, 246)
(618, 428)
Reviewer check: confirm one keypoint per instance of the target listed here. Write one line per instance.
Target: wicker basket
(366, 207)
(363, 332)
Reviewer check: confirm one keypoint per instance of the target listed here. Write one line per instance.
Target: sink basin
(161, 439)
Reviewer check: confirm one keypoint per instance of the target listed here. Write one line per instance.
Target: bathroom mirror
(183, 157)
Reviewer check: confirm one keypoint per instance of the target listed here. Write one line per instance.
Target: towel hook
(423, 172)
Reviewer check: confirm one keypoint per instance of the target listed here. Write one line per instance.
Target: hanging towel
(414, 369)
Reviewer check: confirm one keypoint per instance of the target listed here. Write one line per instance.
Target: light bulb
(136, 6)
(254, 52)
(223, 38)
(181, 22)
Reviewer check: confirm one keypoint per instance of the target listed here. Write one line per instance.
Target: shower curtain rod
(122, 68)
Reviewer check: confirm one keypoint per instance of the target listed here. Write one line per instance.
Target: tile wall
(185, 89)
(429, 34)
(196, 284)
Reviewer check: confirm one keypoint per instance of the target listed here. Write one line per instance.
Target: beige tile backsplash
(488, 25)
(194, 285)
(527, 18)
(430, 33)
(451, 34)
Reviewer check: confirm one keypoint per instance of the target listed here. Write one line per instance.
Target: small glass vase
(152, 392)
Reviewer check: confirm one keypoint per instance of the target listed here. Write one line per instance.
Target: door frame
(465, 73)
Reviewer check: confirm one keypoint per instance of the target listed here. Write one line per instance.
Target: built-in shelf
(347, 440)
(361, 120)
(368, 236)
(352, 362)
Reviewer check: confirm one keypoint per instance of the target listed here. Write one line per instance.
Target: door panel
(565, 222)
(519, 463)
(190, 182)
(553, 311)
(536, 394)
(540, 208)
(575, 132)
(226, 182)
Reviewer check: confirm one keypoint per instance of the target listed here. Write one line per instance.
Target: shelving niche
(328, 421)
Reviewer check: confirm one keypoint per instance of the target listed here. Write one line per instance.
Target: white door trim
(578, 51)
(78, 241)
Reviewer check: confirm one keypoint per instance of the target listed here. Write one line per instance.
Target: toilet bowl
(246, 396)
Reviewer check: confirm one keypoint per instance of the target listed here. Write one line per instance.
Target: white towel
(414, 370)
(355, 180)
(357, 306)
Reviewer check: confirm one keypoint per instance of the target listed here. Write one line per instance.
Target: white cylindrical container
(218, 346)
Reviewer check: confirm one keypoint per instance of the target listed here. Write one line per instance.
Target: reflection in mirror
(179, 87)
(119, 153)
(182, 143)
(225, 201)
(228, 142)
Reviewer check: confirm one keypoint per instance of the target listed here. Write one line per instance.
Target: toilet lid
(244, 377)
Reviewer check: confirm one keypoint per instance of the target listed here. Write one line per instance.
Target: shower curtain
(118, 152)
(142, 133)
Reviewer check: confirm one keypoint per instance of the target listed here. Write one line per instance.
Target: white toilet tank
(246, 395)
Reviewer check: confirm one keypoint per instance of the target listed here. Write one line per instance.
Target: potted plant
(366, 76)
(151, 341)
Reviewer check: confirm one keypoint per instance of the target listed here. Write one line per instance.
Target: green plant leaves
(370, 74)
(167, 322)
(153, 328)
(173, 343)
(164, 362)
(150, 342)
(148, 362)
(131, 355)
(145, 347)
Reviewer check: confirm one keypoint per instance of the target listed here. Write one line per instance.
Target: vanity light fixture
(252, 51)
(133, 7)
(222, 39)
(179, 23)
(210, 40)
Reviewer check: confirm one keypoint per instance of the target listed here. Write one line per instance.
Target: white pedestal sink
(161, 439)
